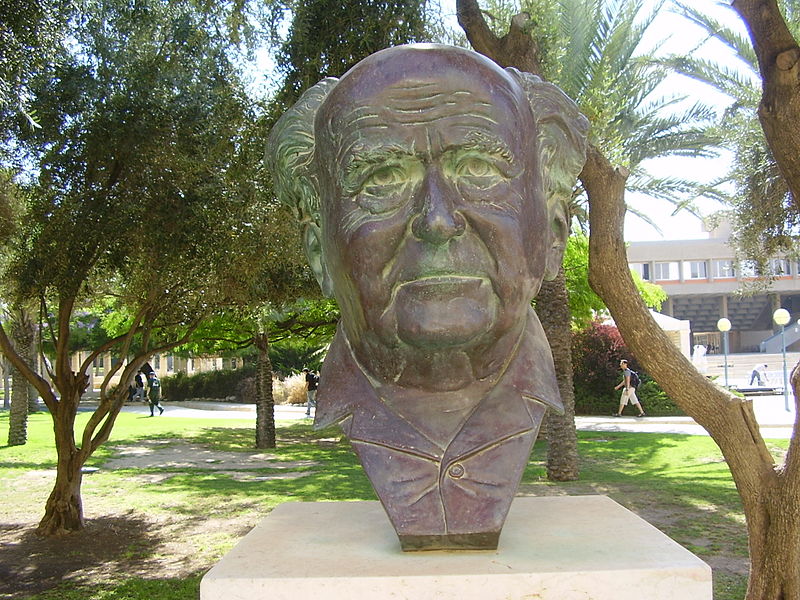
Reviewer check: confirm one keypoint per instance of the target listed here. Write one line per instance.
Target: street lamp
(724, 325)
(782, 317)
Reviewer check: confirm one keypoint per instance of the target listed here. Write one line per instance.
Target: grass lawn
(170, 496)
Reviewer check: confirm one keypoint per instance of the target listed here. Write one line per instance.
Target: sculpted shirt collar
(345, 391)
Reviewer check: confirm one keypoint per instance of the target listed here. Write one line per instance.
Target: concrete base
(565, 548)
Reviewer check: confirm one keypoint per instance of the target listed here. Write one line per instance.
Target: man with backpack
(630, 381)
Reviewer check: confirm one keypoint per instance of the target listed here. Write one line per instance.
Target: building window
(695, 269)
(157, 362)
(666, 271)
(724, 269)
(779, 267)
(170, 363)
(642, 269)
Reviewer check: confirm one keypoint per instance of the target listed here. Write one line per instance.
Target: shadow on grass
(333, 475)
(30, 564)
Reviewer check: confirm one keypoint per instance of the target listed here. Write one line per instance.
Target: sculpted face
(434, 226)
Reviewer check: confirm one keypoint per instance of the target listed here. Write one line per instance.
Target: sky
(682, 36)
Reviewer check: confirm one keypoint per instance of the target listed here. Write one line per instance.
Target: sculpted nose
(437, 221)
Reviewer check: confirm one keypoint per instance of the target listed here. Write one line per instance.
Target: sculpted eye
(384, 177)
(476, 167)
(386, 187)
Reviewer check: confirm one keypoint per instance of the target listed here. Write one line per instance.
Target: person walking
(312, 380)
(628, 390)
(154, 392)
(138, 394)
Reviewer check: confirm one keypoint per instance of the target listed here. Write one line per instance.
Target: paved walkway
(774, 420)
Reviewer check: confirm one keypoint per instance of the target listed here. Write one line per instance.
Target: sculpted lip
(444, 286)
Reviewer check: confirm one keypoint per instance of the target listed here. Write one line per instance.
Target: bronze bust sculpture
(432, 187)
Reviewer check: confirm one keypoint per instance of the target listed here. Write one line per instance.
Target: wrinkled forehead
(418, 86)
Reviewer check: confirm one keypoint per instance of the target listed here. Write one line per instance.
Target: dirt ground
(163, 546)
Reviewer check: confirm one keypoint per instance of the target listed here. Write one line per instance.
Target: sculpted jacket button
(456, 471)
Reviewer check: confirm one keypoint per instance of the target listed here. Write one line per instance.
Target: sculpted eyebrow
(488, 145)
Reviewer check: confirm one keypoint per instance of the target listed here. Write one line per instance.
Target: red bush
(596, 352)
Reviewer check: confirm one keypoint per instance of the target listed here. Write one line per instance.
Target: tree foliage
(584, 304)
(140, 194)
(30, 33)
(325, 39)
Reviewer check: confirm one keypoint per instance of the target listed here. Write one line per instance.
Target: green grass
(680, 476)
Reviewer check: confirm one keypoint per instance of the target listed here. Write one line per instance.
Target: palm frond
(738, 43)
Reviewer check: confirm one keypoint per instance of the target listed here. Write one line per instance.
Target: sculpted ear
(291, 160)
(561, 137)
(312, 244)
(560, 227)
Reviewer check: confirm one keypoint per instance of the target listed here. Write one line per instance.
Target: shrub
(295, 386)
(246, 391)
(596, 352)
(211, 384)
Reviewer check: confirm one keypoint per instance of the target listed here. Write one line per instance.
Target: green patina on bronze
(432, 188)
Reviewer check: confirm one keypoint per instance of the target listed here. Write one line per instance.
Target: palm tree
(22, 333)
(593, 51)
(763, 213)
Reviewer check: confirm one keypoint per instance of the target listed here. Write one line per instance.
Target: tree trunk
(18, 416)
(6, 383)
(769, 494)
(22, 334)
(774, 530)
(63, 513)
(562, 441)
(779, 63)
(265, 404)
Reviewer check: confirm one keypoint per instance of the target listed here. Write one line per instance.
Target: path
(774, 420)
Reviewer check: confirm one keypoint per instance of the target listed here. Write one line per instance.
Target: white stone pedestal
(551, 548)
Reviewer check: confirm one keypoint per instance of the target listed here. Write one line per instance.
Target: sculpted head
(432, 186)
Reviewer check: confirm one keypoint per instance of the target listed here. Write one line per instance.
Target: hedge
(209, 384)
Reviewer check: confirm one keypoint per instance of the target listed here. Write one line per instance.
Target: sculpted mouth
(444, 285)
(444, 310)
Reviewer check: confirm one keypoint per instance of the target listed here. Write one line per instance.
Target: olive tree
(140, 192)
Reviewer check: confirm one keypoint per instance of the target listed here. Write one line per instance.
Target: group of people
(153, 393)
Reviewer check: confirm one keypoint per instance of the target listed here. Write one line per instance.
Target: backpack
(635, 381)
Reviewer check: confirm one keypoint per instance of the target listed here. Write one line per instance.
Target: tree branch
(779, 63)
(515, 49)
(109, 408)
(27, 372)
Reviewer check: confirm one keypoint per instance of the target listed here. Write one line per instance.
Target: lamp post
(724, 325)
(781, 317)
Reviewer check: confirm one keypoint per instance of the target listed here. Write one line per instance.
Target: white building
(703, 281)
